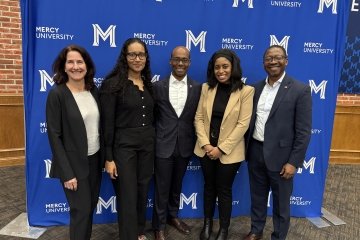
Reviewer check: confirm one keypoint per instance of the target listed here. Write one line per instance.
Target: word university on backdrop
(312, 32)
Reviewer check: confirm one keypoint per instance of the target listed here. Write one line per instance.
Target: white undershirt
(90, 114)
(264, 106)
(178, 93)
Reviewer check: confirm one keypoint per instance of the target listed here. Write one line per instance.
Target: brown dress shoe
(253, 236)
(180, 225)
(159, 235)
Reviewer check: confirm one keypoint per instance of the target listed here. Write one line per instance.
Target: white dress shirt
(178, 93)
(264, 106)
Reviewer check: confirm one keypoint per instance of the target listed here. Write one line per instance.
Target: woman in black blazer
(73, 126)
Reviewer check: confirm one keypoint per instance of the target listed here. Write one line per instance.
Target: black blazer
(171, 128)
(288, 128)
(67, 134)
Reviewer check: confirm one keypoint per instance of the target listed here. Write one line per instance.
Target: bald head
(182, 49)
(180, 62)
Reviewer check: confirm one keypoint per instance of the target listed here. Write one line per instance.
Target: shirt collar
(173, 80)
(278, 82)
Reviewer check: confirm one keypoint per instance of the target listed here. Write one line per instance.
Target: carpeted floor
(341, 198)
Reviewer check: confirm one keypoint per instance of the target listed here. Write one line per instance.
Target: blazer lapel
(258, 92)
(189, 96)
(166, 89)
(283, 90)
(210, 101)
(234, 98)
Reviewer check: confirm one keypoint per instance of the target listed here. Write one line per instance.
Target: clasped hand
(212, 152)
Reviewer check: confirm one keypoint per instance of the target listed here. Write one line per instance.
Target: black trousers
(218, 181)
(83, 201)
(261, 180)
(169, 174)
(134, 158)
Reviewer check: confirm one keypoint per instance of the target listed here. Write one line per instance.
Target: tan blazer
(234, 124)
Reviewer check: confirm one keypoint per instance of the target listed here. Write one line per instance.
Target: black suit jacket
(67, 134)
(171, 128)
(288, 128)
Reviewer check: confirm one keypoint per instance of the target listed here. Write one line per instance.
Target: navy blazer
(169, 127)
(288, 128)
(67, 134)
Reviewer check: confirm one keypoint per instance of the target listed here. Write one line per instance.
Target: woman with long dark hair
(127, 108)
(221, 120)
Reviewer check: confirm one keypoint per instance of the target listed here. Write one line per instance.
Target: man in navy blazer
(176, 99)
(278, 137)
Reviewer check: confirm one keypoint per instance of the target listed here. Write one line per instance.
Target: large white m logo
(190, 38)
(45, 78)
(284, 42)
(321, 87)
(308, 164)
(109, 33)
(191, 199)
(110, 203)
(328, 3)
(47, 167)
(250, 3)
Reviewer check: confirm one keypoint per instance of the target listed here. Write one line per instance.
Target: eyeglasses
(178, 60)
(274, 58)
(133, 55)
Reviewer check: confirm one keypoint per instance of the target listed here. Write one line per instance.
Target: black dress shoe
(180, 225)
(207, 229)
(222, 234)
(253, 236)
(160, 235)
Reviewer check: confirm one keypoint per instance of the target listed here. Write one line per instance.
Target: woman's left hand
(215, 153)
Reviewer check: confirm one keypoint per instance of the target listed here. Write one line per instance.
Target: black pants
(169, 174)
(134, 158)
(83, 201)
(218, 179)
(261, 180)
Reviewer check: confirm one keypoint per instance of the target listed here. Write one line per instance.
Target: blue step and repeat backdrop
(312, 32)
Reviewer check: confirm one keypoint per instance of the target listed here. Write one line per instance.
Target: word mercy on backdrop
(312, 32)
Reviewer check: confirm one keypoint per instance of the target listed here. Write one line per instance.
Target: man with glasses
(278, 137)
(176, 99)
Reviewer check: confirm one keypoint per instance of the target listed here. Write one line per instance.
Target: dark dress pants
(83, 201)
(169, 174)
(218, 181)
(261, 180)
(134, 158)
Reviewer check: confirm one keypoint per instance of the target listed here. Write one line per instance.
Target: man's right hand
(110, 168)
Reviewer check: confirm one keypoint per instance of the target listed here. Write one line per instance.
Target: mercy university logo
(327, 3)
(200, 39)
(284, 42)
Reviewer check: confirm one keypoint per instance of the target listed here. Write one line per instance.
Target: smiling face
(275, 62)
(137, 64)
(222, 70)
(180, 62)
(75, 66)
